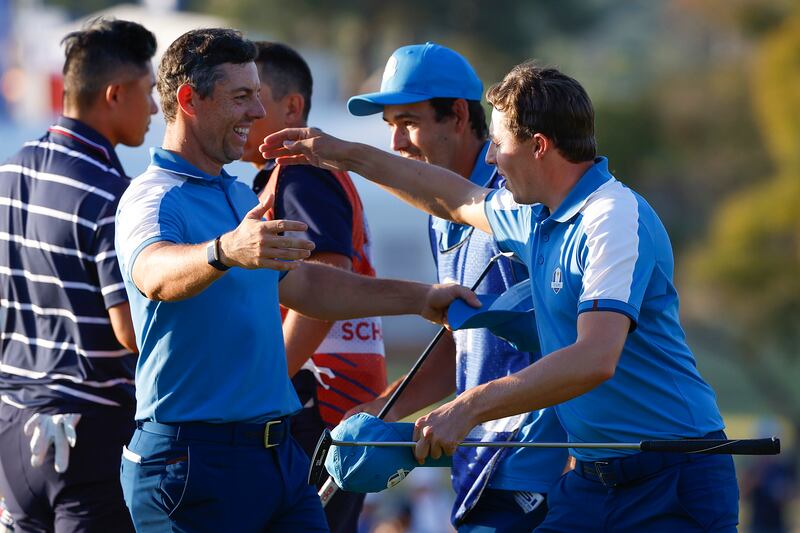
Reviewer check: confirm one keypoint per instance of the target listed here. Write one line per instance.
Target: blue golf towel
(370, 468)
(510, 316)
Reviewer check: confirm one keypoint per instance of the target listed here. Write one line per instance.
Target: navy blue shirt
(314, 196)
(59, 274)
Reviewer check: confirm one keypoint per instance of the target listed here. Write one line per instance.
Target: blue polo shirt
(461, 253)
(605, 249)
(217, 356)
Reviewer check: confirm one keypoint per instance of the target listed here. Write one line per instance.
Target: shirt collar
(591, 180)
(174, 163)
(78, 135)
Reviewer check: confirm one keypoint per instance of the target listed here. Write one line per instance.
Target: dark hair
(194, 59)
(285, 71)
(443, 107)
(546, 101)
(98, 52)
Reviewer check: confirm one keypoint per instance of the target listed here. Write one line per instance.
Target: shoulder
(612, 202)
(306, 175)
(153, 184)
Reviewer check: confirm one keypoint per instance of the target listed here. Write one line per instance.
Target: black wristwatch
(212, 255)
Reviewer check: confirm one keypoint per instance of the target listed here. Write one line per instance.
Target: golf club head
(317, 468)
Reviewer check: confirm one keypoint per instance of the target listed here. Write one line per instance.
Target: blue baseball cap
(369, 468)
(509, 316)
(417, 73)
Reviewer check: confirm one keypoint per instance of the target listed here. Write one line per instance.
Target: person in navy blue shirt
(204, 273)
(66, 337)
(616, 364)
(430, 99)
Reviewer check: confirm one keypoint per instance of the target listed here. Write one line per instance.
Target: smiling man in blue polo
(616, 364)
(430, 98)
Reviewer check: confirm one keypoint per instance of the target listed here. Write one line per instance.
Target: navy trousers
(189, 483)
(87, 497)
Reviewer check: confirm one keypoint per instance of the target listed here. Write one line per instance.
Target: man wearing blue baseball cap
(616, 364)
(430, 98)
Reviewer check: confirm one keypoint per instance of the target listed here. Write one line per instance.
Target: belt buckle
(266, 433)
(600, 474)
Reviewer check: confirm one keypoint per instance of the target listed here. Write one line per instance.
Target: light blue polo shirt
(217, 356)
(605, 249)
(461, 253)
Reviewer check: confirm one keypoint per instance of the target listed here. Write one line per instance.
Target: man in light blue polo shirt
(616, 364)
(430, 98)
(201, 268)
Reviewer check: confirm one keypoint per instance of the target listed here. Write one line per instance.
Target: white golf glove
(56, 429)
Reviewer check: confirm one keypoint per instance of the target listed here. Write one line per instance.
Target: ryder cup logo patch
(556, 282)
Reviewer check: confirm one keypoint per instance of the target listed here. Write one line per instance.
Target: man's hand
(440, 297)
(58, 430)
(256, 243)
(441, 430)
(303, 146)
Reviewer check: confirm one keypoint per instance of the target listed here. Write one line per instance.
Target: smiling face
(222, 120)
(514, 159)
(416, 134)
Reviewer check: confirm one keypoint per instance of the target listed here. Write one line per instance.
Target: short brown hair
(193, 59)
(544, 100)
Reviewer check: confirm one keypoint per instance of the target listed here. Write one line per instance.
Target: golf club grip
(770, 446)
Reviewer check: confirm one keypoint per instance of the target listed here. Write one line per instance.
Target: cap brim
(371, 103)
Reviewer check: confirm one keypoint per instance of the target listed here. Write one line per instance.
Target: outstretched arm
(167, 271)
(430, 188)
(555, 378)
(329, 293)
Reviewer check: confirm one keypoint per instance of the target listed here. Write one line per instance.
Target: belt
(267, 434)
(617, 471)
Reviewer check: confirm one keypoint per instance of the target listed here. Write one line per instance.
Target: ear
(461, 114)
(540, 145)
(185, 96)
(113, 94)
(294, 105)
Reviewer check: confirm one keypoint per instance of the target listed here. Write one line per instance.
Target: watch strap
(212, 255)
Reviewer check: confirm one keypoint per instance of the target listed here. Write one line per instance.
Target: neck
(95, 120)
(562, 176)
(180, 139)
(466, 156)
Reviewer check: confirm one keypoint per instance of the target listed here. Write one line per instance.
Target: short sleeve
(510, 222)
(148, 212)
(314, 196)
(108, 273)
(618, 256)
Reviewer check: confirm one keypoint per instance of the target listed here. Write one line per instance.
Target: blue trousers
(173, 483)
(498, 512)
(692, 493)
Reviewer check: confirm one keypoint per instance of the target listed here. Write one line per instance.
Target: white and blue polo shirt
(217, 356)
(605, 249)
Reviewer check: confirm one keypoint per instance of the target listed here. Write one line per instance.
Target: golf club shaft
(418, 364)
(769, 446)
(329, 488)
